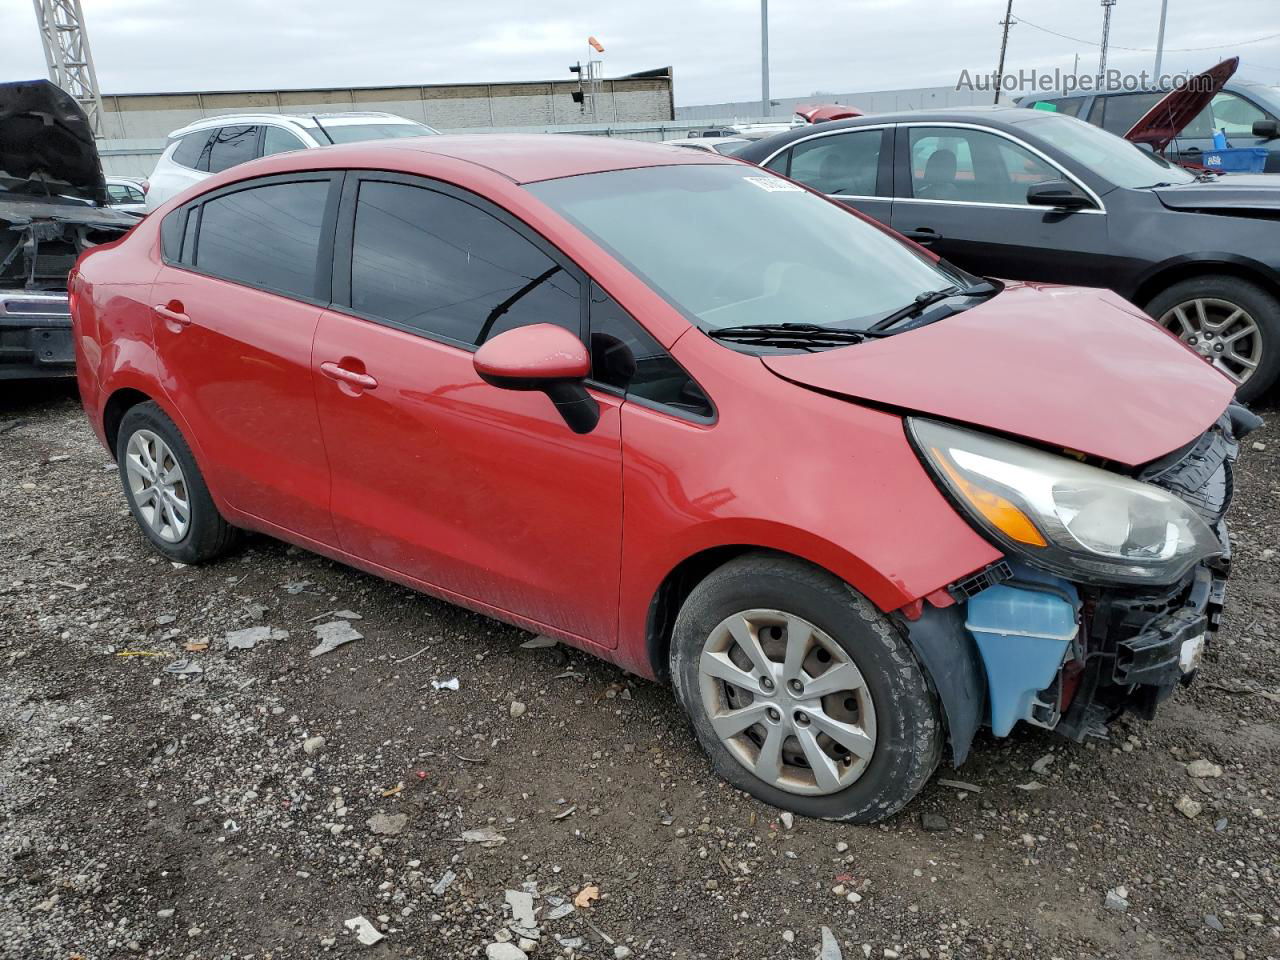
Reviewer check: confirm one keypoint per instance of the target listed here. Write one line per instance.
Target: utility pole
(66, 53)
(1164, 9)
(1007, 22)
(766, 109)
(1106, 35)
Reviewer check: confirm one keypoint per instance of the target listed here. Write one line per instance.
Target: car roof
(307, 121)
(520, 158)
(1001, 117)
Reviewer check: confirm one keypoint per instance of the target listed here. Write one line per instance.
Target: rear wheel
(802, 693)
(165, 489)
(1234, 324)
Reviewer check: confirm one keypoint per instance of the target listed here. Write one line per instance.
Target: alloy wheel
(1225, 334)
(787, 701)
(157, 486)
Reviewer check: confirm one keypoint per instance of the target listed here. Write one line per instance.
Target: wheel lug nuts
(802, 718)
(1217, 348)
(773, 715)
(766, 684)
(795, 686)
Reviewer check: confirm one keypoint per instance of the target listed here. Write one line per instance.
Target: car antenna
(322, 129)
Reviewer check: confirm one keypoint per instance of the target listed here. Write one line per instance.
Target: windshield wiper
(783, 334)
(914, 308)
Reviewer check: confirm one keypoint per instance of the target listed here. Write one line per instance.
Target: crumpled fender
(951, 661)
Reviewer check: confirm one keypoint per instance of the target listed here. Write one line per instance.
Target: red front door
(482, 492)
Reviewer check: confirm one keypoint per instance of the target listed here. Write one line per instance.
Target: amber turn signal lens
(995, 509)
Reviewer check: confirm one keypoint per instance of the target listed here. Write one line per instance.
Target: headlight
(1078, 521)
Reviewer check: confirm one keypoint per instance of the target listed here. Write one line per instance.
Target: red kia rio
(688, 416)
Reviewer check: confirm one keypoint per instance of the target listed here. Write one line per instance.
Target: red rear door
(234, 319)
(480, 492)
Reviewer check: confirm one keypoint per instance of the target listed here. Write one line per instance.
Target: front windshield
(1113, 158)
(356, 132)
(730, 244)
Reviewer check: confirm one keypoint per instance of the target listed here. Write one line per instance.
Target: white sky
(836, 46)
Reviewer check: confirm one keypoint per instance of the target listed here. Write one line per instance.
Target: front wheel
(1234, 324)
(802, 693)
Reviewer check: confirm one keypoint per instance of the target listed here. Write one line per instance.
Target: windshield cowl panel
(732, 246)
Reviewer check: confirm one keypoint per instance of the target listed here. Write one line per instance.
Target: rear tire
(885, 715)
(1199, 309)
(166, 492)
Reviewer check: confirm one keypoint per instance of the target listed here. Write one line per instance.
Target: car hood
(1068, 367)
(1159, 125)
(46, 145)
(1231, 192)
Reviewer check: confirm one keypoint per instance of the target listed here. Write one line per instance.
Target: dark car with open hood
(52, 208)
(1034, 195)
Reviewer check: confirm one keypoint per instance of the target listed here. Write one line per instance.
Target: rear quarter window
(189, 149)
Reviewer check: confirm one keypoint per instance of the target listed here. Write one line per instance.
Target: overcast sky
(837, 46)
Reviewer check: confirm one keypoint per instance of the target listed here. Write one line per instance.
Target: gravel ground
(252, 809)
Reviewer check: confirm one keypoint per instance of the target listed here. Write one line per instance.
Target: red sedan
(688, 416)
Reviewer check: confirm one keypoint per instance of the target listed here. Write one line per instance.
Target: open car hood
(1068, 367)
(46, 145)
(822, 112)
(1159, 125)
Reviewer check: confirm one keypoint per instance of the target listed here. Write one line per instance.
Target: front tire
(802, 693)
(1234, 324)
(166, 492)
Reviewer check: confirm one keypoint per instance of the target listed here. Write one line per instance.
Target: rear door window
(230, 146)
(844, 164)
(267, 236)
(1122, 111)
(438, 265)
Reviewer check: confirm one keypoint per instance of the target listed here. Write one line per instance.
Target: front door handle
(335, 371)
(1190, 150)
(172, 314)
(922, 235)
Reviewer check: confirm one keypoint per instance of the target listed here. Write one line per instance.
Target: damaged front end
(1108, 593)
(52, 195)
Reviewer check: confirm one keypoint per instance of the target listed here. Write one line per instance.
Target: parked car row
(853, 500)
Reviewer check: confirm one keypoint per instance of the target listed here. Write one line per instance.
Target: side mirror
(1266, 129)
(1058, 194)
(542, 357)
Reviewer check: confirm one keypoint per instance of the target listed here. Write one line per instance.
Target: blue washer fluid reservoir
(1023, 628)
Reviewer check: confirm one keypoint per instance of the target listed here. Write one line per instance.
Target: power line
(1113, 46)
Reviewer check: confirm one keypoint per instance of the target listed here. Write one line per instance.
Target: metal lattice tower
(1106, 34)
(66, 51)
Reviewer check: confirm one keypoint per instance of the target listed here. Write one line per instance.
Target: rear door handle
(335, 371)
(176, 318)
(922, 235)
(1191, 150)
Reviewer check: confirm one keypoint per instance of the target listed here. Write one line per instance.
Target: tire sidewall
(908, 729)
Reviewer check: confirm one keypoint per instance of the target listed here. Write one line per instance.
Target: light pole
(1004, 42)
(765, 110)
(1164, 9)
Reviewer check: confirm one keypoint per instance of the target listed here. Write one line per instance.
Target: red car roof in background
(528, 158)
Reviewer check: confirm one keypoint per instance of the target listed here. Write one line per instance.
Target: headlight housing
(1081, 522)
